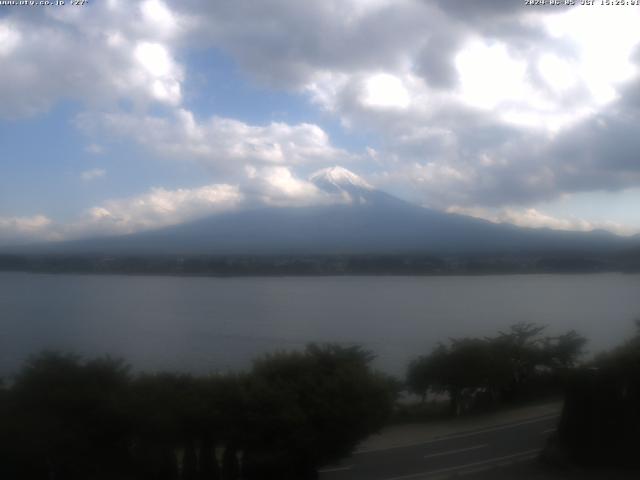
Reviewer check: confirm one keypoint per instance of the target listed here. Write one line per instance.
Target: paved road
(462, 454)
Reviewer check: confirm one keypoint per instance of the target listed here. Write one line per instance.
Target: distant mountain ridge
(368, 221)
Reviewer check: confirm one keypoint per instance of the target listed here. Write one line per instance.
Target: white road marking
(336, 469)
(549, 430)
(526, 455)
(460, 435)
(451, 452)
(482, 468)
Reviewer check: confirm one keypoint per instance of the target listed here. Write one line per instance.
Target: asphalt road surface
(468, 454)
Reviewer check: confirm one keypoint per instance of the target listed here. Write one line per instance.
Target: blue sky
(121, 116)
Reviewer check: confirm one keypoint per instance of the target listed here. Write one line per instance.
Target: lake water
(208, 324)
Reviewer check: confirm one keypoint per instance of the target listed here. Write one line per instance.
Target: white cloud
(25, 224)
(282, 181)
(557, 72)
(489, 76)
(157, 15)
(605, 40)
(100, 55)
(533, 218)
(94, 149)
(154, 58)
(429, 183)
(157, 208)
(36, 227)
(93, 174)
(9, 38)
(386, 91)
(223, 142)
(279, 187)
(163, 75)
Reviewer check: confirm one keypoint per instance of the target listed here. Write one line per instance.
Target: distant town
(319, 265)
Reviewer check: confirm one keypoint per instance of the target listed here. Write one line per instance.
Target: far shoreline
(323, 265)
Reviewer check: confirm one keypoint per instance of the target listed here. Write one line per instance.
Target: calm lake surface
(208, 324)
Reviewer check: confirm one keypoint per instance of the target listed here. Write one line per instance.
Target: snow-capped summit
(339, 179)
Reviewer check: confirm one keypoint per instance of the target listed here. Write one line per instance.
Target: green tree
(70, 417)
(73, 419)
(312, 408)
(166, 408)
(496, 368)
(600, 422)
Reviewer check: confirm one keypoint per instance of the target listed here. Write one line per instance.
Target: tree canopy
(600, 421)
(495, 368)
(67, 418)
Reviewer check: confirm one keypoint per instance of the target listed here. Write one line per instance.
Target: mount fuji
(361, 220)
